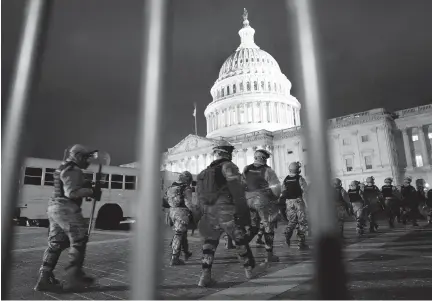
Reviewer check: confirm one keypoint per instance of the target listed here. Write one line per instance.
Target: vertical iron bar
(146, 258)
(30, 47)
(329, 270)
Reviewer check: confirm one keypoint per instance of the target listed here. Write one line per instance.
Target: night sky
(375, 54)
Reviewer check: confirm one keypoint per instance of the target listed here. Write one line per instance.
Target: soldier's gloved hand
(97, 193)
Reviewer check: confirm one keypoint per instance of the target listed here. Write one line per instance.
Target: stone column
(298, 117)
(237, 113)
(423, 146)
(244, 158)
(375, 130)
(261, 111)
(357, 159)
(407, 148)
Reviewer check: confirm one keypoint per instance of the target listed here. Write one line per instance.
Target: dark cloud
(375, 54)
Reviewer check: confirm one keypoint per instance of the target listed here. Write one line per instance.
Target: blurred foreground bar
(330, 281)
(34, 31)
(146, 260)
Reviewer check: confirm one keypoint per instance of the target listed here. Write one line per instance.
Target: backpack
(207, 188)
(174, 195)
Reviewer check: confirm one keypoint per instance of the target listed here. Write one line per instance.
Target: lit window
(415, 137)
(241, 87)
(248, 86)
(234, 89)
(228, 90)
(262, 86)
(33, 176)
(269, 86)
(419, 160)
(255, 85)
(349, 164)
(346, 141)
(430, 135)
(368, 162)
(365, 138)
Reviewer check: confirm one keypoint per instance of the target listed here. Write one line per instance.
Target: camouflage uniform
(179, 197)
(67, 227)
(342, 205)
(294, 187)
(409, 203)
(428, 206)
(357, 201)
(225, 215)
(391, 200)
(373, 197)
(262, 192)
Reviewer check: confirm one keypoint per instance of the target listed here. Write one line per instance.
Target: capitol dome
(251, 92)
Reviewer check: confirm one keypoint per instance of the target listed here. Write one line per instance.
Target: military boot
(76, 279)
(47, 282)
(249, 273)
(205, 278)
(271, 257)
(175, 260)
(229, 243)
(187, 255)
(259, 240)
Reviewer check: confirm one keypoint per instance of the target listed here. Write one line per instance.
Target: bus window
(49, 177)
(130, 182)
(116, 181)
(104, 184)
(33, 176)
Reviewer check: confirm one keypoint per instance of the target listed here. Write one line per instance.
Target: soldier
(409, 202)
(358, 205)
(67, 228)
(222, 199)
(343, 205)
(428, 206)
(421, 196)
(374, 200)
(294, 188)
(179, 198)
(262, 192)
(391, 199)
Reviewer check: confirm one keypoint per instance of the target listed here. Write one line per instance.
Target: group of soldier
(241, 206)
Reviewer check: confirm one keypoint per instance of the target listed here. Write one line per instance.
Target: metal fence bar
(327, 252)
(146, 260)
(36, 16)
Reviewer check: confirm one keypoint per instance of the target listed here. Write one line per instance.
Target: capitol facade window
(241, 87)
(349, 164)
(234, 89)
(255, 86)
(364, 138)
(228, 90)
(419, 160)
(346, 141)
(368, 161)
(248, 86)
(415, 137)
(262, 86)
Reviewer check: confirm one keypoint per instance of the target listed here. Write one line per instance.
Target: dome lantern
(247, 34)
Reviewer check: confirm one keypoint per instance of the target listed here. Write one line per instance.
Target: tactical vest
(58, 184)
(407, 191)
(175, 195)
(255, 177)
(387, 191)
(292, 187)
(339, 199)
(354, 195)
(369, 191)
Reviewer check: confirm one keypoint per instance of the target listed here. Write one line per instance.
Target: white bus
(119, 192)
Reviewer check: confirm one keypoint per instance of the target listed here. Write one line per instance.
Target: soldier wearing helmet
(358, 205)
(293, 191)
(421, 195)
(374, 199)
(179, 198)
(67, 226)
(343, 205)
(391, 200)
(428, 206)
(409, 202)
(222, 198)
(262, 192)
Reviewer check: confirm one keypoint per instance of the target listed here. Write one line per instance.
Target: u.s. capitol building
(252, 108)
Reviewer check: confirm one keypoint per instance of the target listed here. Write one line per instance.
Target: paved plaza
(391, 264)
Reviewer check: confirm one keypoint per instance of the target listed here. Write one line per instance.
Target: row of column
(264, 112)
(423, 146)
(248, 86)
(195, 164)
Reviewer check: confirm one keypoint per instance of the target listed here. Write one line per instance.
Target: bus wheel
(109, 217)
